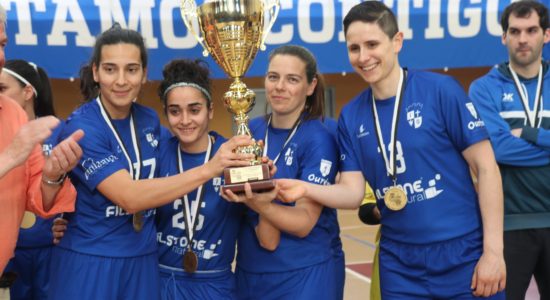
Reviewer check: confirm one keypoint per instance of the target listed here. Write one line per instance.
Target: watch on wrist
(59, 181)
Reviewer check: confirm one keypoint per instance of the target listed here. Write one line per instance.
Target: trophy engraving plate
(233, 184)
(243, 174)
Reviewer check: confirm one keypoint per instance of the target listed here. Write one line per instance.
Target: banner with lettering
(58, 34)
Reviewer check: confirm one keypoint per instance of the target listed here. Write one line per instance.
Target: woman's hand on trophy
(58, 229)
(227, 157)
(272, 167)
(257, 201)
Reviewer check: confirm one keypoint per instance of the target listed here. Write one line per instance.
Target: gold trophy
(232, 32)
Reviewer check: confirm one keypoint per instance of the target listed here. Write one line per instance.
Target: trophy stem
(239, 100)
(242, 124)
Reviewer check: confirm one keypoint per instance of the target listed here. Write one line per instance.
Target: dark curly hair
(185, 70)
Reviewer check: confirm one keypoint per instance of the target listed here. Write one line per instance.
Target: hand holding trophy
(232, 32)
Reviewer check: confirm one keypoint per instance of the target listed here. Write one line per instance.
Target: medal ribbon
(391, 165)
(191, 219)
(531, 115)
(288, 137)
(135, 142)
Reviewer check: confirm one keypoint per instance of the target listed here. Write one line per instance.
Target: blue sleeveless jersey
(40, 233)
(436, 123)
(218, 221)
(311, 155)
(98, 226)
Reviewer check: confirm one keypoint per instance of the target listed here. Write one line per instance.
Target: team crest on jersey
(289, 154)
(150, 136)
(47, 149)
(217, 182)
(414, 115)
(325, 167)
(507, 97)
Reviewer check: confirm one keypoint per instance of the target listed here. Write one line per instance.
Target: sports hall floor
(358, 240)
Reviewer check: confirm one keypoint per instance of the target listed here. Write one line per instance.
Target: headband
(20, 78)
(183, 84)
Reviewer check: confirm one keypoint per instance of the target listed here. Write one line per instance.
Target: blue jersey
(165, 133)
(436, 123)
(332, 127)
(311, 155)
(218, 221)
(98, 226)
(40, 233)
(338, 253)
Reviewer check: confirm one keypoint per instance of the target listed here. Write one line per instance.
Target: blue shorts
(32, 266)
(179, 285)
(81, 276)
(315, 282)
(434, 271)
(339, 261)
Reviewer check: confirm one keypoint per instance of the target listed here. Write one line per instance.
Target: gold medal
(28, 220)
(190, 261)
(395, 198)
(137, 221)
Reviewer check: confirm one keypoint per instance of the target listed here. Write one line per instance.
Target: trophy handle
(273, 8)
(188, 11)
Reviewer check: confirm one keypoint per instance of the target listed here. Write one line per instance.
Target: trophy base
(257, 176)
(257, 186)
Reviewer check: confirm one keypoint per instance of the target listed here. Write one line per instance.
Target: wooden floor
(358, 241)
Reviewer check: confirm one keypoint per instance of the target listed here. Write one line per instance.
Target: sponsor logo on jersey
(91, 166)
(178, 245)
(414, 114)
(507, 97)
(362, 132)
(115, 211)
(416, 191)
(477, 123)
(317, 179)
(211, 251)
(472, 109)
(324, 169)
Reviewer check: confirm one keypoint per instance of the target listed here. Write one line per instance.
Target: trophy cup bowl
(232, 31)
